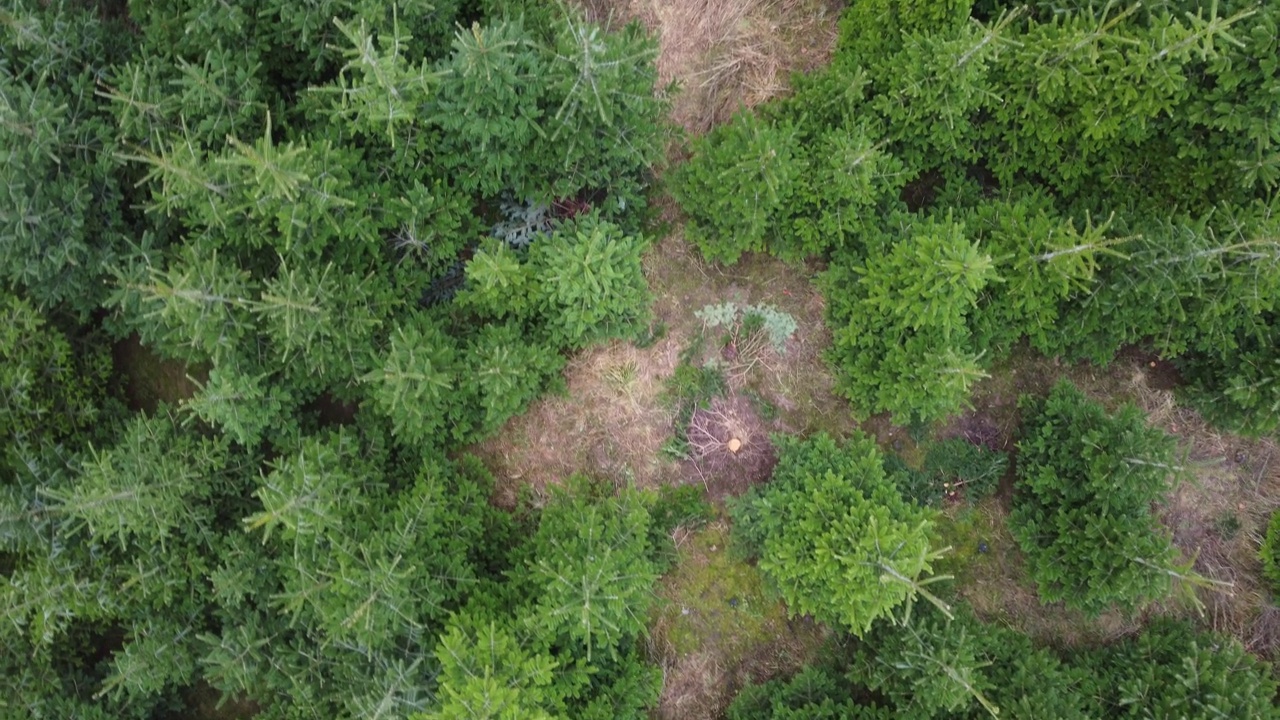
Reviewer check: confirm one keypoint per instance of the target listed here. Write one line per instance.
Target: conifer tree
(835, 537)
(901, 342)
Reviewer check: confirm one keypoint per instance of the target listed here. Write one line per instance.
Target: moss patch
(715, 598)
(717, 626)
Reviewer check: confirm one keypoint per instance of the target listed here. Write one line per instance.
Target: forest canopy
(369, 233)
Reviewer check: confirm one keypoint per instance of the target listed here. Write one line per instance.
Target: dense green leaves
(834, 535)
(145, 487)
(1171, 671)
(900, 339)
(64, 199)
(1083, 503)
(594, 572)
(929, 666)
(487, 676)
(1116, 161)
(744, 175)
(591, 280)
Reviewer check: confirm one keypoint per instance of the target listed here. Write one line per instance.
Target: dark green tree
(1082, 513)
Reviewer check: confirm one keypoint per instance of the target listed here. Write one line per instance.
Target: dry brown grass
(724, 54)
(610, 424)
(1219, 512)
(613, 420)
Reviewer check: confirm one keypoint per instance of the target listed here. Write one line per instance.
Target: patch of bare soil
(150, 379)
(729, 448)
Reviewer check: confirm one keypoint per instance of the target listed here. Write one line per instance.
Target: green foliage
(1270, 554)
(1043, 259)
(498, 285)
(1172, 671)
(486, 675)
(320, 323)
(604, 125)
(64, 199)
(305, 495)
(951, 469)
(267, 193)
(690, 387)
(1027, 681)
(682, 506)
(591, 564)
(591, 281)
(146, 487)
(195, 310)
(743, 175)
(834, 536)
(740, 320)
(971, 469)
(416, 379)
(488, 107)
(49, 391)
(1083, 501)
(1117, 162)
(901, 343)
(241, 406)
(964, 668)
(504, 372)
(873, 27)
(927, 667)
(813, 694)
(379, 87)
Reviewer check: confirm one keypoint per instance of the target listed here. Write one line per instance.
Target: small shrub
(953, 469)
(814, 694)
(916, 485)
(742, 320)
(966, 469)
(674, 507)
(753, 336)
(900, 342)
(929, 665)
(834, 535)
(591, 282)
(649, 335)
(736, 186)
(1270, 554)
(690, 387)
(1083, 508)
(1173, 671)
(521, 223)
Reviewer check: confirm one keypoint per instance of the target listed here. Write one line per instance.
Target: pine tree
(1082, 509)
(835, 537)
(901, 342)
